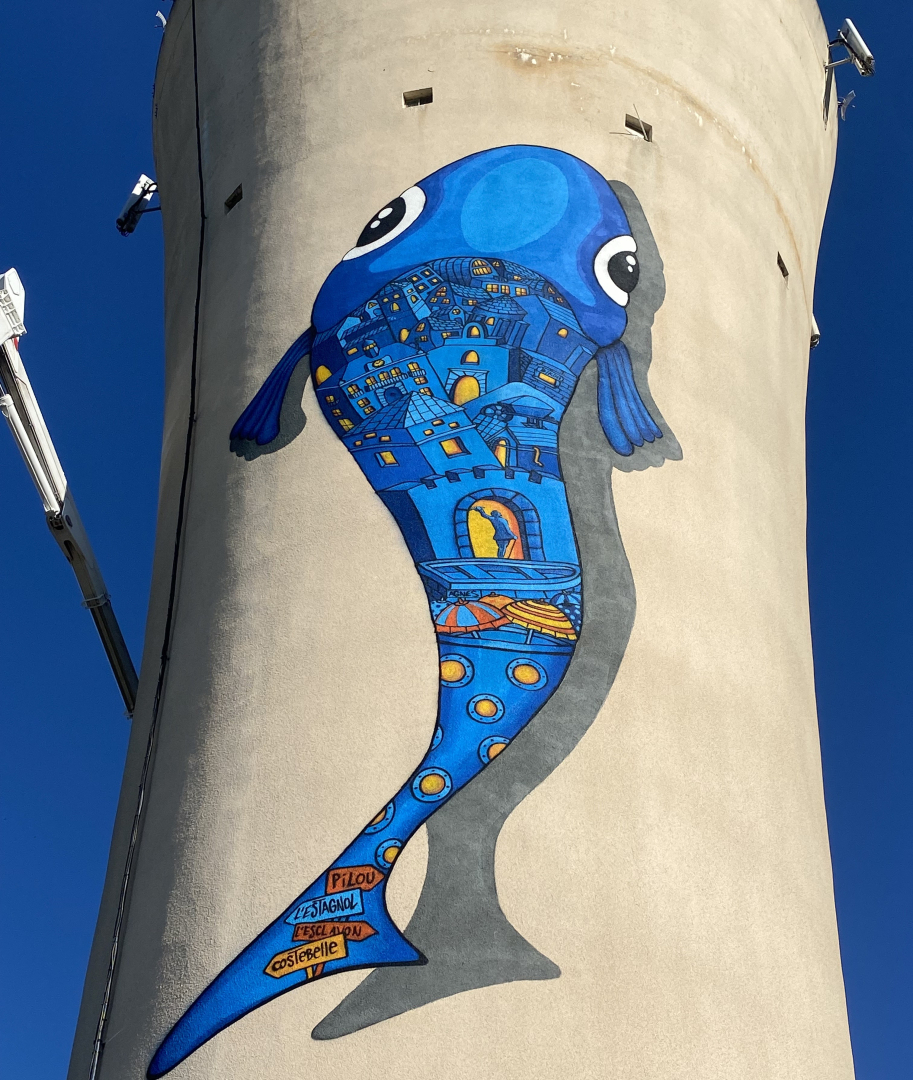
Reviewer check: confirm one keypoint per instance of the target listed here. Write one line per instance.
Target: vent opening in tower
(232, 201)
(637, 127)
(782, 266)
(417, 97)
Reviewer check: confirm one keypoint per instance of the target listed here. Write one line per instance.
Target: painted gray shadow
(458, 923)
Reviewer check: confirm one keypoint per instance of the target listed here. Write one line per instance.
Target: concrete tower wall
(675, 866)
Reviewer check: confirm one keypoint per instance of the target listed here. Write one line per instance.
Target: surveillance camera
(136, 205)
(859, 51)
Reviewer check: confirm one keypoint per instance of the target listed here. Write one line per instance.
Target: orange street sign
(351, 931)
(353, 877)
(307, 956)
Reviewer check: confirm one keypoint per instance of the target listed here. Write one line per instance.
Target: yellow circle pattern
(452, 671)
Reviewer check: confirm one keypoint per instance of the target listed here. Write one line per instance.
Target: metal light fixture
(858, 54)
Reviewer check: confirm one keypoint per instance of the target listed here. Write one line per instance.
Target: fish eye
(617, 269)
(388, 223)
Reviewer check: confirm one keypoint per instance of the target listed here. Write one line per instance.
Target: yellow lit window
(346, 424)
(368, 410)
(521, 291)
(546, 378)
(453, 447)
(370, 345)
(445, 300)
(371, 435)
(394, 307)
(422, 286)
(351, 352)
(426, 273)
(414, 366)
(425, 390)
(505, 289)
(386, 457)
(384, 375)
(385, 438)
(370, 381)
(562, 332)
(453, 423)
(415, 277)
(493, 286)
(386, 299)
(395, 373)
(330, 399)
(517, 277)
(490, 321)
(471, 357)
(362, 402)
(396, 296)
(403, 334)
(358, 442)
(353, 390)
(480, 267)
(471, 303)
(420, 380)
(473, 331)
(442, 291)
(446, 333)
(378, 363)
(413, 299)
(438, 423)
(433, 299)
(435, 280)
(457, 311)
(424, 337)
(337, 412)
(421, 326)
(428, 431)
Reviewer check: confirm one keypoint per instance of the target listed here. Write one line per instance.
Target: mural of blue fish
(444, 348)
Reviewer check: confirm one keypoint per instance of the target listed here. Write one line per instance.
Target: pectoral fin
(259, 423)
(624, 417)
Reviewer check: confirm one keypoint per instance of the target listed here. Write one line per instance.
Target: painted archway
(466, 388)
(475, 538)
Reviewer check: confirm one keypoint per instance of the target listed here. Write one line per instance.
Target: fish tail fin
(259, 423)
(340, 923)
(625, 419)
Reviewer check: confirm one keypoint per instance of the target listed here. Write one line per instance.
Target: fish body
(444, 349)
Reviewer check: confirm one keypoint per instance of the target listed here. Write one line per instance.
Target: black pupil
(624, 270)
(383, 222)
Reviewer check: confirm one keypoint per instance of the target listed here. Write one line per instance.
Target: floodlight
(137, 205)
(861, 54)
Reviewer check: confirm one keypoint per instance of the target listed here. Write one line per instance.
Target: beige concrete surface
(676, 865)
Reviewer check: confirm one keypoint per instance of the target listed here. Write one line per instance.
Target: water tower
(476, 727)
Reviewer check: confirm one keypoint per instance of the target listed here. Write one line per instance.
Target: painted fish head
(542, 208)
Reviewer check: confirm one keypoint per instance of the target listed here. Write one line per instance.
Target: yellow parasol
(541, 616)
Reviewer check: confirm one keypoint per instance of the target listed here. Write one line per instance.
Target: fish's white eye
(617, 269)
(389, 223)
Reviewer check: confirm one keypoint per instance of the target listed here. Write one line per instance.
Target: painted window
(453, 447)
(346, 424)
(471, 357)
(386, 457)
(562, 332)
(473, 331)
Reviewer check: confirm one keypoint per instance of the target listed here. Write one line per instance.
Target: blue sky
(77, 87)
